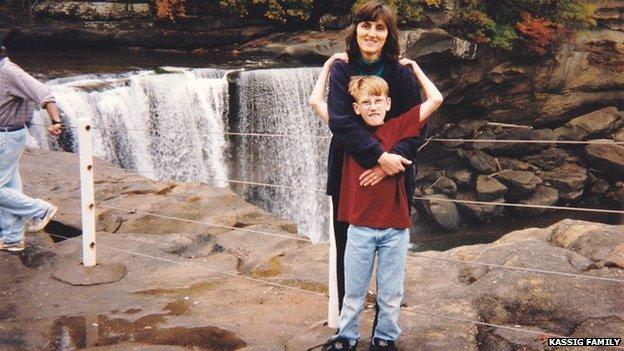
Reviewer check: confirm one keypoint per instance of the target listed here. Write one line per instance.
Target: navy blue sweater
(351, 135)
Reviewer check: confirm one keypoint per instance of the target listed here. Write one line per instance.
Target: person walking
(17, 93)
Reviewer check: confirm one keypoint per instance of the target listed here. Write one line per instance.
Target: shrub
(280, 11)
(409, 12)
(533, 25)
(170, 10)
(537, 34)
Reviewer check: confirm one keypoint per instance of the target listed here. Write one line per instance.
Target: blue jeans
(14, 205)
(391, 247)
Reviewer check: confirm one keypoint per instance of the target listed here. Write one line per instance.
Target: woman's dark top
(349, 131)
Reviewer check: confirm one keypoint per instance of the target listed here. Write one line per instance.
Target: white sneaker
(39, 223)
(13, 247)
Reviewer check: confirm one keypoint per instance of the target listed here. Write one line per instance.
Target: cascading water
(167, 126)
(275, 101)
(170, 126)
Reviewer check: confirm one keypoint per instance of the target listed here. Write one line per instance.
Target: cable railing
(92, 206)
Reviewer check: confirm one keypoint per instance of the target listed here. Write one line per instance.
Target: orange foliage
(170, 10)
(538, 34)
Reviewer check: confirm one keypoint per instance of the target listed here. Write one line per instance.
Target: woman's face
(371, 37)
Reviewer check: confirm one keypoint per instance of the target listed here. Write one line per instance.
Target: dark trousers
(340, 235)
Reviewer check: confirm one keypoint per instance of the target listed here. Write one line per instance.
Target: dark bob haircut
(372, 11)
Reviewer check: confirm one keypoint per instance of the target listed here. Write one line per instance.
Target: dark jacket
(349, 131)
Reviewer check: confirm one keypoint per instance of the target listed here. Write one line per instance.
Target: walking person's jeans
(14, 205)
(391, 248)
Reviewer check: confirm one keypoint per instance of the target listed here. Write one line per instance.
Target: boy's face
(372, 108)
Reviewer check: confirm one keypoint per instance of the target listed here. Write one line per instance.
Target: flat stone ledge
(76, 273)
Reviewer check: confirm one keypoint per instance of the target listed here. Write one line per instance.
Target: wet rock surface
(192, 295)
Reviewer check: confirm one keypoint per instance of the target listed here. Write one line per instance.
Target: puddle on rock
(70, 332)
(178, 308)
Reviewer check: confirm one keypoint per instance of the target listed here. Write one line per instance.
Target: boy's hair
(372, 85)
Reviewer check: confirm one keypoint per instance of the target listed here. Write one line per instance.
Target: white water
(170, 126)
(275, 101)
(140, 121)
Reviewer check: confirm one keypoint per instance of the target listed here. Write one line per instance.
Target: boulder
(445, 186)
(569, 180)
(548, 159)
(616, 194)
(478, 212)
(465, 128)
(93, 11)
(543, 196)
(108, 221)
(427, 173)
(461, 176)
(597, 123)
(513, 149)
(607, 158)
(480, 161)
(444, 213)
(418, 43)
(520, 183)
(619, 135)
(515, 164)
(489, 188)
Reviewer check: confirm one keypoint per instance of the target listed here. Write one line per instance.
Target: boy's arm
(317, 98)
(408, 146)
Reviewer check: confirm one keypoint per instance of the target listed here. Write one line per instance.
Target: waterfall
(275, 101)
(166, 126)
(170, 126)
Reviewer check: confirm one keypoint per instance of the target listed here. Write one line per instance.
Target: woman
(372, 49)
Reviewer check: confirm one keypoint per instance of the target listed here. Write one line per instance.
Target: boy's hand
(392, 164)
(372, 176)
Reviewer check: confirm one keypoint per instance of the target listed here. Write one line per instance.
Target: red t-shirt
(383, 205)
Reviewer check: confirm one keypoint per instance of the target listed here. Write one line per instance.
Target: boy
(378, 215)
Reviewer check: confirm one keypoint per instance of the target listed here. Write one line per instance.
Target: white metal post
(332, 306)
(87, 197)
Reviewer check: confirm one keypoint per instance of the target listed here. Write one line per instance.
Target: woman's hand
(338, 56)
(392, 164)
(372, 176)
(408, 62)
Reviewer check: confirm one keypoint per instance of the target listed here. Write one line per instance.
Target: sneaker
(339, 344)
(39, 223)
(14, 247)
(382, 345)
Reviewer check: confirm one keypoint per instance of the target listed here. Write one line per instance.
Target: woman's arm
(317, 98)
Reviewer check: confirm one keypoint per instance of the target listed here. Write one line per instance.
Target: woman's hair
(372, 11)
(371, 85)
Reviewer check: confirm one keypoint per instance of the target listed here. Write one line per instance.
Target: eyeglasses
(379, 103)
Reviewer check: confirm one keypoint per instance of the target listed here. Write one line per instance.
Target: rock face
(201, 286)
(574, 95)
(607, 158)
